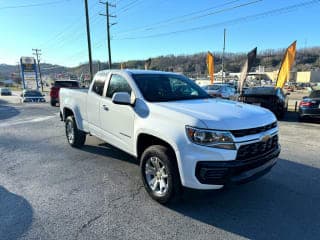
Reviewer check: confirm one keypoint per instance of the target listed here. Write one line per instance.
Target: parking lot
(49, 190)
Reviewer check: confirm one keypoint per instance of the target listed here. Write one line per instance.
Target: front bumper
(251, 159)
(230, 172)
(39, 100)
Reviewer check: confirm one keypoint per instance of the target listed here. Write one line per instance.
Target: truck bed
(75, 99)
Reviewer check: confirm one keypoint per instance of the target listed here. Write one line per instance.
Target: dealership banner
(287, 62)
(210, 65)
(29, 74)
(251, 57)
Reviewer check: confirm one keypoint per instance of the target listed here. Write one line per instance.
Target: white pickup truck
(182, 137)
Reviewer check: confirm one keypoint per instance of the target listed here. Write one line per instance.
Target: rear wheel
(53, 103)
(75, 137)
(160, 174)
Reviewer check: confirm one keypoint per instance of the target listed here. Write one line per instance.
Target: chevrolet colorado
(181, 136)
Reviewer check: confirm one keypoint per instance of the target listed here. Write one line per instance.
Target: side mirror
(304, 97)
(287, 93)
(122, 98)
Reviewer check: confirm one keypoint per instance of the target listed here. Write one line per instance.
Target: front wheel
(75, 137)
(160, 174)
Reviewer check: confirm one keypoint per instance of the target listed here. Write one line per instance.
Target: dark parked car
(220, 90)
(32, 96)
(271, 98)
(54, 92)
(5, 92)
(310, 106)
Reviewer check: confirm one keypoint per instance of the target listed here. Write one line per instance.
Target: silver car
(220, 90)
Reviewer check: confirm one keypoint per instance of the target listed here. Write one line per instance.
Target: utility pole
(37, 53)
(108, 16)
(88, 38)
(19, 72)
(224, 47)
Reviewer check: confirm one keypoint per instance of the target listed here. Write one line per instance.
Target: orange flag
(287, 62)
(210, 65)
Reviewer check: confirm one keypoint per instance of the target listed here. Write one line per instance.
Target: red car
(54, 92)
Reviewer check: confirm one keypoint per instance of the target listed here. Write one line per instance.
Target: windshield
(168, 87)
(66, 84)
(315, 94)
(32, 94)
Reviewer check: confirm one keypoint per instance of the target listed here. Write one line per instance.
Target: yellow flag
(210, 65)
(287, 62)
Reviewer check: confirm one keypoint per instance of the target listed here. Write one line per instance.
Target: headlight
(210, 138)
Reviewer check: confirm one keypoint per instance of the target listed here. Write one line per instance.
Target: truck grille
(252, 150)
(250, 131)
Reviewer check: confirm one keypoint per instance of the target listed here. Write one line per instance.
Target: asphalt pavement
(49, 190)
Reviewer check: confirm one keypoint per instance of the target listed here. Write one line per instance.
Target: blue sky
(142, 27)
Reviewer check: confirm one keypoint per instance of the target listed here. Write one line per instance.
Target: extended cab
(181, 136)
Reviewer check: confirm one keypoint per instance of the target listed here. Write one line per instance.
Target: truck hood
(223, 114)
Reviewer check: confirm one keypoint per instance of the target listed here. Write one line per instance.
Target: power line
(70, 29)
(33, 5)
(127, 8)
(232, 21)
(182, 19)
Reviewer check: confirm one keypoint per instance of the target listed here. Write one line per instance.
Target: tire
(53, 104)
(75, 137)
(160, 174)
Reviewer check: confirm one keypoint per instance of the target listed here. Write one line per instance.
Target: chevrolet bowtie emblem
(265, 138)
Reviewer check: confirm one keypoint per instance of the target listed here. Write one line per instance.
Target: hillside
(192, 65)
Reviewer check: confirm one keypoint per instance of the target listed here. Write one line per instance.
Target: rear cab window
(98, 84)
(67, 84)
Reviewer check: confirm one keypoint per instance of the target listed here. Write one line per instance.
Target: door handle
(105, 107)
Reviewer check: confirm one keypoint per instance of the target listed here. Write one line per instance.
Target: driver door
(117, 121)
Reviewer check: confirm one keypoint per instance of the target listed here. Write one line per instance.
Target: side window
(98, 84)
(117, 83)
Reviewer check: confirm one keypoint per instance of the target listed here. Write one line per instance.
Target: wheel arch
(145, 140)
(66, 113)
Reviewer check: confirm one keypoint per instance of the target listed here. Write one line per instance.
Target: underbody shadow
(290, 117)
(282, 205)
(15, 215)
(107, 150)
(7, 111)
